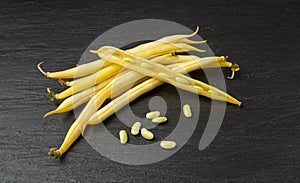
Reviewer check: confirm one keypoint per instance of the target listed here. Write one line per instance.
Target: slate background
(258, 142)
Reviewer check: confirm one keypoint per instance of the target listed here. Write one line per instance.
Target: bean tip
(197, 30)
(93, 51)
(41, 70)
(48, 114)
(188, 41)
(240, 104)
(231, 77)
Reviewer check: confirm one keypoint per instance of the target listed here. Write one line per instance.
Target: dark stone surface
(258, 142)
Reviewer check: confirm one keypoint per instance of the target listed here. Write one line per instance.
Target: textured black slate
(256, 143)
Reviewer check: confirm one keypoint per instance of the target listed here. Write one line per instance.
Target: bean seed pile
(124, 75)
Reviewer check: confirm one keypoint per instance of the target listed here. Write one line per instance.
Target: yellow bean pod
(92, 67)
(177, 79)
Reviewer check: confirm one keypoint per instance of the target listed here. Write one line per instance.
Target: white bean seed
(135, 129)
(123, 136)
(152, 114)
(147, 134)
(187, 111)
(167, 144)
(159, 120)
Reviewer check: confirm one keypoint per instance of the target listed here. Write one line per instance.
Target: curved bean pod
(89, 68)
